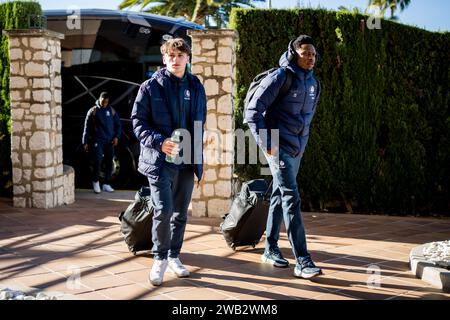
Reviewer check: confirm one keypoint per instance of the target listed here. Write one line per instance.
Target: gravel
(9, 294)
(438, 253)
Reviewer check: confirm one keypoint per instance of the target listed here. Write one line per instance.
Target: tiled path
(48, 248)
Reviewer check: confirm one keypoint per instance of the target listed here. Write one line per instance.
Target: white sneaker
(177, 267)
(96, 186)
(107, 188)
(157, 273)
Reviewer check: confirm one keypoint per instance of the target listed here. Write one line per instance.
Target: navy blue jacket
(155, 117)
(292, 114)
(102, 127)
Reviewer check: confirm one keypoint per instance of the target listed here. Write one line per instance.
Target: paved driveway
(78, 250)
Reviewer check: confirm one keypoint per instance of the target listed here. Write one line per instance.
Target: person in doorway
(102, 131)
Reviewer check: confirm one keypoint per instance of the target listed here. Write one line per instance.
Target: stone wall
(69, 184)
(35, 85)
(213, 61)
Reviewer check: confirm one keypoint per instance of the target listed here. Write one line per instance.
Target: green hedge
(380, 140)
(13, 15)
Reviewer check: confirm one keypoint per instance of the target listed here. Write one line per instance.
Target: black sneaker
(307, 269)
(275, 258)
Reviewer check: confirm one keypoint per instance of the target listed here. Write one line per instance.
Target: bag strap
(286, 85)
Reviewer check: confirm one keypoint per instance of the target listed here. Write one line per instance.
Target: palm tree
(392, 5)
(172, 8)
(354, 10)
(193, 10)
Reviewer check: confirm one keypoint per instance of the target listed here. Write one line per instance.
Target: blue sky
(433, 15)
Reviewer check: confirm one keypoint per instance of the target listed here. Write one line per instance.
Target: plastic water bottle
(176, 137)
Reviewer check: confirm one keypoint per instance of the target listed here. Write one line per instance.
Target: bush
(13, 15)
(380, 140)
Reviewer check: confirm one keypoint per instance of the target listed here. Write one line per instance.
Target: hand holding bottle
(171, 146)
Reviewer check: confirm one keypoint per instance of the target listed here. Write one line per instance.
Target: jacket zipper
(178, 104)
(306, 91)
(304, 102)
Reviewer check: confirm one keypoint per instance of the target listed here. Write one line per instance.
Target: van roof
(141, 18)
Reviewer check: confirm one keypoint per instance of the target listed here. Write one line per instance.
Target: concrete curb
(428, 271)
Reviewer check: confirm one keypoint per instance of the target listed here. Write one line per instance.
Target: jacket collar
(174, 78)
(300, 71)
(97, 104)
(162, 75)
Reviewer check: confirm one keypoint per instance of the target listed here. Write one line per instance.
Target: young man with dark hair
(291, 115)
(172, 100)
(102, 131)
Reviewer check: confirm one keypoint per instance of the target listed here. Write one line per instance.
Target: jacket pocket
(151, 156)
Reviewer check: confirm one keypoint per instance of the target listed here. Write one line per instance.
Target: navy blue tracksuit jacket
(156, 114)
(292, 114)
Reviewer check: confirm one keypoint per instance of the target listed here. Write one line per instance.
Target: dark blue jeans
(171, 195)
(285, 203)
(105, 152)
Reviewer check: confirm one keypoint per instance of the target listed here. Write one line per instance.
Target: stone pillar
(36, 142)
(213, 61)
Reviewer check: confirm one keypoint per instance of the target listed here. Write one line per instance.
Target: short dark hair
(104, 95)
(303, 39)
(177, 43)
